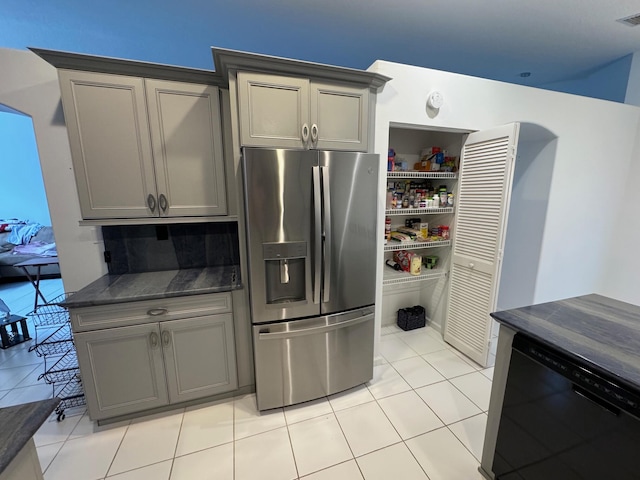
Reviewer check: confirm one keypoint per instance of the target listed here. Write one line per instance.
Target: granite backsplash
(153, 248)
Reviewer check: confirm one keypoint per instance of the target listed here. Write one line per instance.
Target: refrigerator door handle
(318, 234)
(326, 234)
(313, 330)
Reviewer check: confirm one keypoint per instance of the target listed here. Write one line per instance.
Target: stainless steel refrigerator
(311, 240)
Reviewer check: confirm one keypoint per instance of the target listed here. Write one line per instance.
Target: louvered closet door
(482, 209)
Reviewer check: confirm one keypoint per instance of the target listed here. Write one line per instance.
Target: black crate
(412, 318)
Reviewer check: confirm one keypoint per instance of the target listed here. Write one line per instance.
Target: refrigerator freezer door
(279, 214)
(307, 359)
(350, 186)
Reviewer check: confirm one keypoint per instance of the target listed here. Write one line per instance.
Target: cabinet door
(106, 120)
(122, 370)
(480, 227)
(339, 117)
(200, 356)
(186, 135)
(274, 110)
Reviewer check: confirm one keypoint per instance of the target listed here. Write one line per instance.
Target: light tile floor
(423, 416)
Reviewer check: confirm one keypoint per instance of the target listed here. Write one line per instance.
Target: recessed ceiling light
(525, 74)
(632, 21)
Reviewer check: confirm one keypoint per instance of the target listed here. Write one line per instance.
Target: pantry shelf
(441, 175)
(392, 277)
(418, 211)
(392, 247)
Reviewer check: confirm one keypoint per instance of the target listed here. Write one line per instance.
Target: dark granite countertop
(19, 424)
(599, 330)
(133, 287)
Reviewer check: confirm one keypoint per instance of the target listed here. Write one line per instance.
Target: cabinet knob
(151, 203)
(166, 338)
(471, 265)
(154, 312)
(314, 133)
(305, 133)
(164, 203)
(153, 339)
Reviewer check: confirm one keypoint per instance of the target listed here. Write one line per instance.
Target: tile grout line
(394, 427)
(467, 396)
(293, 454)
(445, 425)
(353, 457)
(456, 437)
(138, 468)
(175, 449)
(117, 449)
(233, 435)
(54, 457)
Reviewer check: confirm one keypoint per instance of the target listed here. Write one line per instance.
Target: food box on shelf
(405, 258)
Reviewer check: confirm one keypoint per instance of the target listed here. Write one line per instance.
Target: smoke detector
(435, 100)
(632, 21)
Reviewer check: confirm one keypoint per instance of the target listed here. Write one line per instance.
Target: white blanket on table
(21, 234)
(36, 248)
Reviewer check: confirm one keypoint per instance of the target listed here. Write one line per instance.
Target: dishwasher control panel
(580, 374)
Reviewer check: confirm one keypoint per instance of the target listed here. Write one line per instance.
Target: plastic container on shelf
(415, 267)
(387, 229)
(442, 191)
(430, 261)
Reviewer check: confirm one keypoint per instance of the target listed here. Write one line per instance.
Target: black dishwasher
(563, 421)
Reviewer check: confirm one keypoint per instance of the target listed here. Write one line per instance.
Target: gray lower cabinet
(136, 368)
(122, 370)
(199, 357)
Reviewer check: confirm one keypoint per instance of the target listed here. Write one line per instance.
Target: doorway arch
(30, 85)
(22, 194)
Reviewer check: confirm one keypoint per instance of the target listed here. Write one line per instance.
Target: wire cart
(54, 343)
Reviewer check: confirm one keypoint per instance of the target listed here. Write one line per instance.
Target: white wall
(529, 205)
(594, 148)
(30, 85)
(621, 279)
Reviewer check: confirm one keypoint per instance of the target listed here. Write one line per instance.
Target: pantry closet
(522, 225)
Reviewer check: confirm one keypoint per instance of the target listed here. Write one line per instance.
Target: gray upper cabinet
(144, 148)
(186, 137)
(274, 110)
(339, 117)
(292, 112)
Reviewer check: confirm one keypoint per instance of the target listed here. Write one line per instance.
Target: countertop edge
(601, 369)
(96, 303)
(35, 414)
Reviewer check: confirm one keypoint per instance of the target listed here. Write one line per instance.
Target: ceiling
(554, 40)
